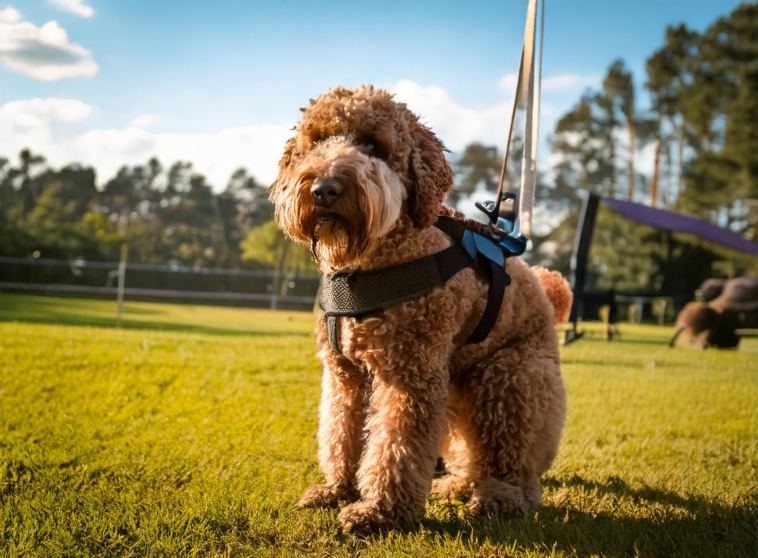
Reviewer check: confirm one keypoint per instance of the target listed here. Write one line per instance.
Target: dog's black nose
(326, 192)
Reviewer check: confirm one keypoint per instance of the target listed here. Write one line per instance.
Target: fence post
(121, 281)
(275, 290)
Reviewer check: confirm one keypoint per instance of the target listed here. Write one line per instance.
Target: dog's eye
(371, 147)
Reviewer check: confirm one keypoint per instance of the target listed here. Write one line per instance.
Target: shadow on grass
(645, 521)
(78, 312)
(144, 311)
(619, 487)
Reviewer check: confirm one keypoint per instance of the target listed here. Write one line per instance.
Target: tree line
(162, 216)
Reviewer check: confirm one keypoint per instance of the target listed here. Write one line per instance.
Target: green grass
(193, 442)
(145, 315)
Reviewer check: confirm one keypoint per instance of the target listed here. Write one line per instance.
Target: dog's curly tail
(557, 290)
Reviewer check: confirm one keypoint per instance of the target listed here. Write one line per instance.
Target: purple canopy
(668, 221)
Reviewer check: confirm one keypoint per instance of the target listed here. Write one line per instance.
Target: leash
(513, 231)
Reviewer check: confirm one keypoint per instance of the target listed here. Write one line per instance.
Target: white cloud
(569, 82)
(551, 84)
(33, 123)
(217, 155)
(30, 120)
(44, 53)
(508, 83)
(457, 125)
(9, 15)
(454, 124)
(74, 6)
(145, 120)
(29, 123)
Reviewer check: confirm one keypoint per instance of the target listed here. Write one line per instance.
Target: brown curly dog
(361, 183)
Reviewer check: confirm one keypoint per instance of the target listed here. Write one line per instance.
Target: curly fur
(406, 389)
(557, 290)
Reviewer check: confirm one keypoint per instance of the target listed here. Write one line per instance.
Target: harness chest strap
(360, 293)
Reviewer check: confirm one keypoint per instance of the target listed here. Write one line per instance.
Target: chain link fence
(175, 282)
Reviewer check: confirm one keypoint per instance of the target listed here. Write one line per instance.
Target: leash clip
(511, 242)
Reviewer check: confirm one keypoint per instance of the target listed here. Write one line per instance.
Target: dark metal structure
(657, 218)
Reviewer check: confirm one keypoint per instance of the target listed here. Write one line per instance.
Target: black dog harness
(362, 292)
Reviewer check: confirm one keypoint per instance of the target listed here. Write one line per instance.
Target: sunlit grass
(141, 315)
(139, 442)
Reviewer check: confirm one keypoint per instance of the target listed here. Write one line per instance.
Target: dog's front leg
(340, 433)
(404, 428)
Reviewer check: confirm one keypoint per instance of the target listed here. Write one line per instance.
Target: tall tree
(618, 89)
(478, 166)
(584, 143)
(667, 73)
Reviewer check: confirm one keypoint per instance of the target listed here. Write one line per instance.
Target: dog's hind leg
(513, 409)
(340, 435)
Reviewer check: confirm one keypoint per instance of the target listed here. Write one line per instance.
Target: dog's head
(358, 162)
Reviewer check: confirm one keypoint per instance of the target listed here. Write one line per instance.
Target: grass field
(191, 432)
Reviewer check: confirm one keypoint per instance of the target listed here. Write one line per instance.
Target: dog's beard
(337, 239)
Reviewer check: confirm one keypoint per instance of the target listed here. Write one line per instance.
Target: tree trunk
(656, 174)
(632, 148)
(680, 185)
(656, 167)
(612, 154)
(667, 191)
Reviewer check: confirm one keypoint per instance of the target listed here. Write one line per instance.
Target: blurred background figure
(725, 307)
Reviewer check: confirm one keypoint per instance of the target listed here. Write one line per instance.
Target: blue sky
(220, 82)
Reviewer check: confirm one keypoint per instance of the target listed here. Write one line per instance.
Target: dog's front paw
(363, 519)
(451, 487)
(493, 497)
(328, 496)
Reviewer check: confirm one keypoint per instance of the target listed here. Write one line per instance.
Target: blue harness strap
(360, 293)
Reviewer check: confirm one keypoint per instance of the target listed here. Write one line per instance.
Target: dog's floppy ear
(289, 149)
(430, 175)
